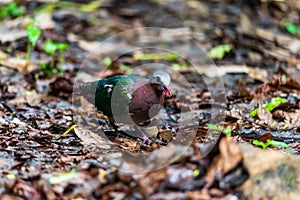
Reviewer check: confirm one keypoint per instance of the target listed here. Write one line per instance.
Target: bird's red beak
(168, 92)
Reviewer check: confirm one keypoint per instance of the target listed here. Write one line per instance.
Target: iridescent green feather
(113, 92)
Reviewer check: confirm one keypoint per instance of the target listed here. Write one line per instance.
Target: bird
(129, 99)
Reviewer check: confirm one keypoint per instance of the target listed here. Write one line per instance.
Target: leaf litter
(40, 159)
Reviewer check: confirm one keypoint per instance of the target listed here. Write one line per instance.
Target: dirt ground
(229, 131)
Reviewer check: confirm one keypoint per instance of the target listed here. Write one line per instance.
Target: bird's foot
(118, 135)
(140, 134)
(146, 140)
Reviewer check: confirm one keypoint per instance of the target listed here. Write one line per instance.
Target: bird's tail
(88, 90)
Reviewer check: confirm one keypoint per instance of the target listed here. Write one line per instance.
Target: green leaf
(49, 7)
(62, 46)
(4, 12)
(30, 92)
(259, 143)
(239, 121)
(11, 9)
(90, 7)
(156, 56)
(275, 102)
(127, 69)
(63, 177)
(30, 21)
(2, 57)
(33, 34)
(42, 65)
(50, 47)
(254, 112)
(172, 57)
(277, 144)
(107, 61)
(196, 172)
(11, 176)
(214, 127)
(179, 66)
(292, 28)
(227, 131)
(46, 69)
(271, 143)
(219, 51)
(15, 10)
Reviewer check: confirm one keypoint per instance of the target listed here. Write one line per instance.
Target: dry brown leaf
(257, 74)
(243, 91)
(246, 24)
(90, 138)
(33, 98)
(232, 69)
(232, 125)
(254, 73)
(272, 174)
(128, 144)
(265, 137)
(14, 29)
(291, 83)
(199, 194)
(45, 20)
(25, 190)
(292, 120)
(290, 43)
(279, 54)
(19, 64)
(151, 182)
(201, 7)
(11, 35)
(3, 55)
(294, 72)
(265, 116)
(230, 155)
(294, 62)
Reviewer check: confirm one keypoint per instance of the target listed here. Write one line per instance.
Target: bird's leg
(115, 127)
(142, 135)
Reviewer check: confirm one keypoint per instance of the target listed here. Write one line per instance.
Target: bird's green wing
(114, 93)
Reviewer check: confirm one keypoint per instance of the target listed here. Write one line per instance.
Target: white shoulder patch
(109, 88)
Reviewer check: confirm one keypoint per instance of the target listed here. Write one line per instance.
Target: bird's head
(163, 79)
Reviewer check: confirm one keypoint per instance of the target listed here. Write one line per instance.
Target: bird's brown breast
(145, 103)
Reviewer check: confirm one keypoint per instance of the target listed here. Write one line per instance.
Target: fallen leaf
(265, 116)
(292, 119)
(272, 174)
(257, 74)
(291, 83)
(265, 137)
(19, 64)
(61, 87)
(89, 137)
(230, 155)
(151, 182)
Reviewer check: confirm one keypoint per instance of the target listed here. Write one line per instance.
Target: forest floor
(231, 130)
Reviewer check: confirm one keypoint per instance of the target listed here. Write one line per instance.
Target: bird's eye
(161, 77)
(158, 79)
